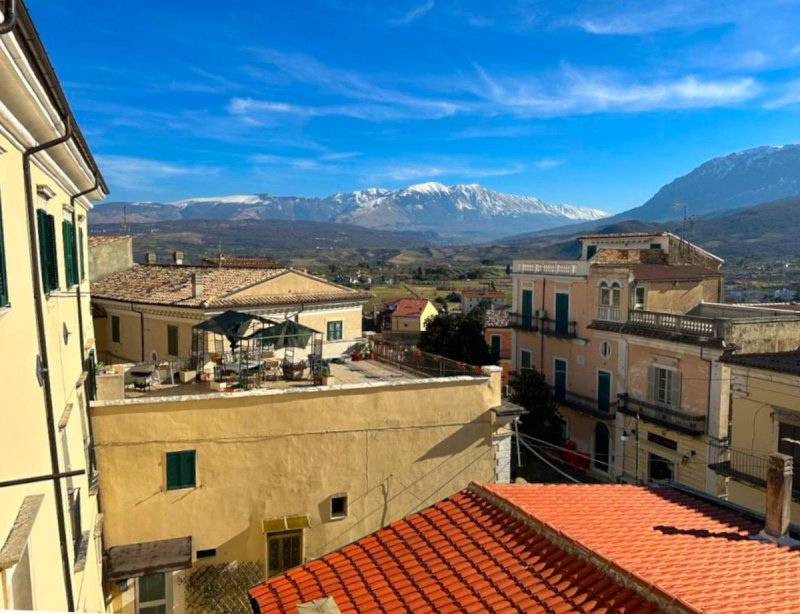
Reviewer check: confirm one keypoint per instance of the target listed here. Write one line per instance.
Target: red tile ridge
(647, 590)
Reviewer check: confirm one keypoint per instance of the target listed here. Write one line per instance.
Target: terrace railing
(584, 404)
(608, 313)
(422, 364)
(524, 321)
(691, 424)
(559, 328)
(689, 325)
(742, 466)
(560, 268)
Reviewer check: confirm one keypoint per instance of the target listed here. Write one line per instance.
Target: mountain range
(458, 213)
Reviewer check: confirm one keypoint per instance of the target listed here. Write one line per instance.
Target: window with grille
(284, 551)
(334, 331)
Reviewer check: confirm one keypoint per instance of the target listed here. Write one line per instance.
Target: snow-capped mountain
(458, 210)
(748, 177)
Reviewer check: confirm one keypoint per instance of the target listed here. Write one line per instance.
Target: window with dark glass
(284, 551)
(334, 331)
(172, 340)
(181, 469)
(115, 336)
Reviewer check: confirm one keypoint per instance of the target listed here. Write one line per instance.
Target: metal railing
(692, 424)
(566, 268)
(422, 364)
(559, 328)
(746, 467)
(524, 321)
(584, 404)
(688, 325)
(608, 313)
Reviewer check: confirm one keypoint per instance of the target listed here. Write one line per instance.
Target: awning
(134, 560)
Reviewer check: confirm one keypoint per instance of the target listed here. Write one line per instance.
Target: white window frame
(166, 601)
(606, 343)
(530, 353)
(637, 305)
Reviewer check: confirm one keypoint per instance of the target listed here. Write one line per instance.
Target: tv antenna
(688, 221)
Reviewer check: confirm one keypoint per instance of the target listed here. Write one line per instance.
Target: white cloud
(547, 163)
(413, 14)
(143, 174)
(790, 96)
(634, 17)
(420, 171)
(576, 92)
(328, 161)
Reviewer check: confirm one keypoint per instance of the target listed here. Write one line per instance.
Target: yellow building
(765, 418)
(203, 490)
(629, 336)
(50, 529)
(146, 312)
(411, 315)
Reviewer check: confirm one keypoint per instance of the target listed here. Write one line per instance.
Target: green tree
(459, 337)
(530, 390)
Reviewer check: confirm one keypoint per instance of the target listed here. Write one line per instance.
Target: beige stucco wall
(23, 434)
(393, 448)
(289, 282)
(681, 296)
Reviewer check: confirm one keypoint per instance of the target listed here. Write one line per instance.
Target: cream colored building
(243, 485)
(629, 336)
(147, 311)
(50, 529)
(765, 418)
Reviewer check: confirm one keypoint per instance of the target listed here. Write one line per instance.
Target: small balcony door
(562, 313)
(560, 378)
(527, 308)
(604, 391)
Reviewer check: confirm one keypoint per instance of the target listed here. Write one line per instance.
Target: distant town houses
(484, 298)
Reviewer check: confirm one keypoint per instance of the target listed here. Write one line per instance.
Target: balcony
(559, 328)
(608, 313)
(695, 326)
(744, 467)
(585, 405)
(557, 268)
(525, 321)
(691, 424)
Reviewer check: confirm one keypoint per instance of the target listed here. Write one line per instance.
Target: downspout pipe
(38, 300)
(9, 17)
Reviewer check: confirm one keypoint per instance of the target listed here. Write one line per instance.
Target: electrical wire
(549, 464)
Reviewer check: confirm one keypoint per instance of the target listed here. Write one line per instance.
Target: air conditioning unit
(541, 314)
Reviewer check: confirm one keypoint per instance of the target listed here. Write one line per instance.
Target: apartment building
(50, 528)
(205, 493)
(765, 419)
(630, 336)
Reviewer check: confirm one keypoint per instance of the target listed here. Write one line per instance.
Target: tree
(459, 337)
(508, 269)
(530, 390)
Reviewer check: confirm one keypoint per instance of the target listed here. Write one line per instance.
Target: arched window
(616, 290)
(605, 294)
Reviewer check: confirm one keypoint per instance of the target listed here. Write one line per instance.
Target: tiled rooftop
(553, 548)
(95, 240)
(172, 285)
(233, 261)
(781, 362)
(410, 306)
(461, 555)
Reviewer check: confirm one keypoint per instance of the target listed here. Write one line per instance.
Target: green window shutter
(115, 329)
(172, 340)
(52, 253)
(180, 469)
(83, 255)
(652, 382)
(69, 253)
(3, 276)
(41, 224)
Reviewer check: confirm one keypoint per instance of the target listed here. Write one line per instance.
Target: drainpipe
(38, 300)
(9, 17)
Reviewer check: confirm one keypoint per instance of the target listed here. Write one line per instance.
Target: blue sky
(591, 103)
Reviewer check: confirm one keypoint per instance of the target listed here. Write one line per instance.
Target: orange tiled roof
(553, 548)
(464, 554)
(410, 306)
(233, 261)
(172, 285)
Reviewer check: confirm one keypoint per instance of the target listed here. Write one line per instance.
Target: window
(560, 379)
(284, 551)
(789, 431)
(655, 246)
(3, 276)
(591, 250)
(206, 554)
(75, 519)
(658, 468)
(609, 295)
(639, 297)
(335, 330)
(115, 329)
(525, 359)
(664, 386)
(152, 594)
(495, 339)
(70, 257)
(172, 340)
(180, 469)
(48, 257)
(605, 350)
(602, 447)
(339, 506)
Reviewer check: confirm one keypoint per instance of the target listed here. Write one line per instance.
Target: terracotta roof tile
(464, 554)
(233, 261)
(172, 285)
(410, 306)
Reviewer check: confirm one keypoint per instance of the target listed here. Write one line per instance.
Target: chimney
(197, 285)
(779, 496)
(177, 257)
(150, 257)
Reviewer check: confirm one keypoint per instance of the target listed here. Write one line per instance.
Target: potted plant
(324, 377)
(293, 370)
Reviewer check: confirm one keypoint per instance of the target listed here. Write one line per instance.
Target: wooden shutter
(41, 224)
(52, 253)
(69, 253)
(82, 254)
(675, 396)
(180, 469)
(187, 469)
(3, 275)
(652, 383)
(173, 470)
(172, 340)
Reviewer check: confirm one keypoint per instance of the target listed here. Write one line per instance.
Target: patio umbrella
(286, 334)
(231, 324)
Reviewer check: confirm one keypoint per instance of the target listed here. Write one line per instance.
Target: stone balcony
(554, 268)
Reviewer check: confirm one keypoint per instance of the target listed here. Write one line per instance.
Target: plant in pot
(324, 377)
(293, 370)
